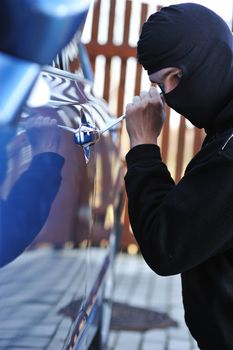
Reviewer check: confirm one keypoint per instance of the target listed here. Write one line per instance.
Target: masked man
(187, 227)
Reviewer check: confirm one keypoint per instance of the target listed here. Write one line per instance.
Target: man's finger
(128, 106)
(136, 100)
(143, 94)
(153, 92)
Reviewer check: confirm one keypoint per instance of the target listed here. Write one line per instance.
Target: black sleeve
(179, 226)
(27, 207)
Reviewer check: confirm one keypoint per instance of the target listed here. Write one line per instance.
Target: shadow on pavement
(132, 318)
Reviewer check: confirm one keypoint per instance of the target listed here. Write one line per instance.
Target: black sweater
(188, 228)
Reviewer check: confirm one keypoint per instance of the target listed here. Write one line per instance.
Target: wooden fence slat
(111, 20)
(109, 50)
(166, 135)
(128, 10)
(137, 88)
(93, 63)
(107, 79)
(95, 23)
(144, 13)
(121, 87)
(180, 149)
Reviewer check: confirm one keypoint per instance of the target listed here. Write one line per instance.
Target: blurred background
(110, 35)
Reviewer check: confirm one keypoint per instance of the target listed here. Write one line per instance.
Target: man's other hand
(43, 134)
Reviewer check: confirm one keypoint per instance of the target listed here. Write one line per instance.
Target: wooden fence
(178, 144)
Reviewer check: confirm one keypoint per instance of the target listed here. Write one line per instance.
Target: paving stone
(27, 342)
(178, 313)
(55, 344)
(37, 331)
(179, 333)
(14, 324)
(53, 319)
(155, 346)
(194, 344)
(63, 329)
(179, 345)
(19, 348)
(112, 340)
(44, 330)
(156, 336)
(138, 285)
(4, 344)
(128, 340)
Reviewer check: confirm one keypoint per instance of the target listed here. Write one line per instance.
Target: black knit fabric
(198, 41)
(188, 228)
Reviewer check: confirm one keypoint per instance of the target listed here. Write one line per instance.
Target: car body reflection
(54, 293)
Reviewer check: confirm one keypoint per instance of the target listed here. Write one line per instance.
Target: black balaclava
(197, 40)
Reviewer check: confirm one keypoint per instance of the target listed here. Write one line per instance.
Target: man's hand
(43, 134)
(145, 117)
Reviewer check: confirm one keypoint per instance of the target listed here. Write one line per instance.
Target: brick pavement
(33, 290)
(138, 285)
(31, 294)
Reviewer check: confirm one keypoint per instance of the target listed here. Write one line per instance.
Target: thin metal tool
(100, 131)
(120, 119)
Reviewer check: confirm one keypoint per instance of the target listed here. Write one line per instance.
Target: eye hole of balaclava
(194, 38)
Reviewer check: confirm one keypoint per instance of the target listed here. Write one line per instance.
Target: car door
(63, 203)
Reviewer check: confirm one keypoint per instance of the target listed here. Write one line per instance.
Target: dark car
(60, 185)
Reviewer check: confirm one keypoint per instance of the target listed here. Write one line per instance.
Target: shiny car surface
(53, 289)
(59, 205)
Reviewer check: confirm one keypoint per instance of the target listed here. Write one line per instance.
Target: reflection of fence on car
(118, 77)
